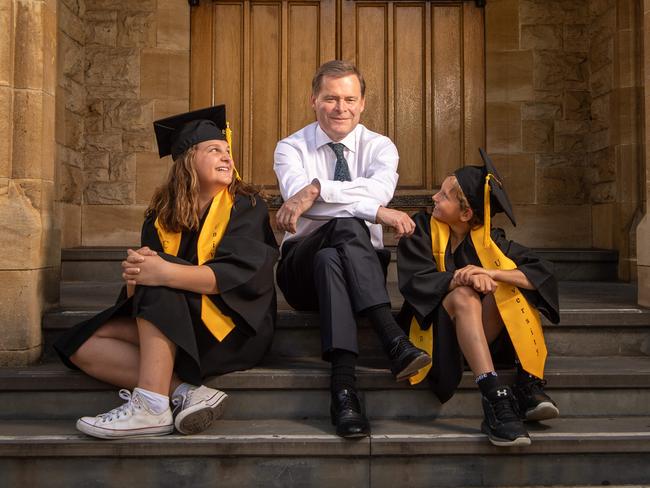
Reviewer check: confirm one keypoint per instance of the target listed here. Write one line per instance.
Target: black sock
(343, 365)
(523, 376)
(384, 324)
(487, 382)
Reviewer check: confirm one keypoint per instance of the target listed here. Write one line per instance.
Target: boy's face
(447, 206)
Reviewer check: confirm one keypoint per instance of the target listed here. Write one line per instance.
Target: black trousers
(336, 271)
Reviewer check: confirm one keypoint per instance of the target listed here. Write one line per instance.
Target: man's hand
(294, 207)
(400, 222)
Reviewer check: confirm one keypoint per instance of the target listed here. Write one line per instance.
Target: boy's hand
(464, 275)
(482, 283)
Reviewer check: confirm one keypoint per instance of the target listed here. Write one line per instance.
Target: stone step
(597, 319)
(299, 388)
(102, 263)
(300, 453)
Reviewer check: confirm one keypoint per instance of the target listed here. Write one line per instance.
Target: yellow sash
(521, 319)
(213, 230)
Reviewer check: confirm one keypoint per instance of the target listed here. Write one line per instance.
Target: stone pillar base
(20, 358)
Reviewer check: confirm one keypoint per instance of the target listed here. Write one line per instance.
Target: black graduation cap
(472, 181)
(178, 133)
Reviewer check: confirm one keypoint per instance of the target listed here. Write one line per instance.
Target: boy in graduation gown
(199, 298)
(470, 292)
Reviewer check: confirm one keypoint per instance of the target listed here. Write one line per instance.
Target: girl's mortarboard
(178, 133)
(472, 180)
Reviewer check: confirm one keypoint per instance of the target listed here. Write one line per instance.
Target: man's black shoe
(406, 359)
(533, 402)
(502, 423)
(347, 414)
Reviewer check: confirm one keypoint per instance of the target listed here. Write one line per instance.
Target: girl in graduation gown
(199, 298)
(462, 299)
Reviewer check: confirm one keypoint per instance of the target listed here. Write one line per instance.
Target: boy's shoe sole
(198, 418)
(499, 442)
(543, 411)
(101, 433)
(413, 367)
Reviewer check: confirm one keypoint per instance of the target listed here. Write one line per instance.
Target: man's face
(338, 105)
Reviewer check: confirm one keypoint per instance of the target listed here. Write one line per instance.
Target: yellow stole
(521, 319)
(212, 231)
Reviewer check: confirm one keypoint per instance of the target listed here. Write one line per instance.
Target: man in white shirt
(336, 178)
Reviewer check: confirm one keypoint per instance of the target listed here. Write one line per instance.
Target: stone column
(29, 241)
(643, 230)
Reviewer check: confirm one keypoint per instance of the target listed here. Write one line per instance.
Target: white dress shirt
(305, 156)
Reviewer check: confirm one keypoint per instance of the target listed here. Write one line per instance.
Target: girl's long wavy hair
(176, 202)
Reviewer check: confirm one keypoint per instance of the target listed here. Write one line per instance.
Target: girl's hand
(482, 283)
(144, 267)
(464, 275)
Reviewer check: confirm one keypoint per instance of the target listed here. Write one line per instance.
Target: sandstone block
(119, 5)
(107, 141)
(28, 47)
(549, 96)
(73, 130)
(537, 135)
(601, 108)
(603, 165)
(114, 68)
(173, 25)
(503, 127)
(122, 167)
(629, 58)
(603, 192)
(576, 37)
(109, 193)
(603, 22)
(138, 29)
(6, 128)
(603, 218)
(69, 181)
(101, 28)
(556, 70)
(577, 105)
(6, 44)
(49, 48)
(518, 174)
(71, 24)
(643, 273)
(553, 11)
(509, 76)
(76, 6)
(627, 172)
(73, 96)
(131, 115)
(540, 111)
(561, 179)
(629, 107)
(28, 134)
(70, 57)
(164, 74)
(151, 173)
(139, 141)
(550, 225)
(70, 219)
(598, 139)
(642, 241)
(21, 240)
(112, 225)
(96, 166)
(601, 54)
(541, 36)
(167, 108)
(48, 152)
(570, 135)
(69, 157)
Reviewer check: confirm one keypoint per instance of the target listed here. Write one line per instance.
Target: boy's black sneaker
(533, 402)
(502, 423)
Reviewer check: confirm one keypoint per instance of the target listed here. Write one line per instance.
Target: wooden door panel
(424, 65)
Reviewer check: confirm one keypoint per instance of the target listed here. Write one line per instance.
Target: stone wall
(124, 65)
(563, 119)
(643, 230)
(30, 237)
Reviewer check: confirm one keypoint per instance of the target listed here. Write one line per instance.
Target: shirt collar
(348, 141)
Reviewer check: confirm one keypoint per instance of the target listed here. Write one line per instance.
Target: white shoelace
(126, 409)
(181, 401)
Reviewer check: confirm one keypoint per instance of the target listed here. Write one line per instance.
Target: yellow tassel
(229, 141)
(487, 217)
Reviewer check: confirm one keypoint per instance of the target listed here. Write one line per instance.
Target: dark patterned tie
(341, 171)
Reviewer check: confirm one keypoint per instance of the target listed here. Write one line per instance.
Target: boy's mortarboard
(178, 133)
(472, 180)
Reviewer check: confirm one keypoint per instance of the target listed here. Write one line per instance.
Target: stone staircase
(276, 431)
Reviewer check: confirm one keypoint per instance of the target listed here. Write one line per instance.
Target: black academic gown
(243, 265)
(424, 287)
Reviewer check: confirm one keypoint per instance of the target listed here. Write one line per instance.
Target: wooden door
(424, 65)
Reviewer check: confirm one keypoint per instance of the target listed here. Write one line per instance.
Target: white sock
(156, 402)
(182, 389)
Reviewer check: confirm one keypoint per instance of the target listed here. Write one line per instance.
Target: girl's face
(447, 206)
(213, 165)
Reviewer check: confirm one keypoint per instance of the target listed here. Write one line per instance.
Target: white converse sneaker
(134, 418)
(197, 409)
